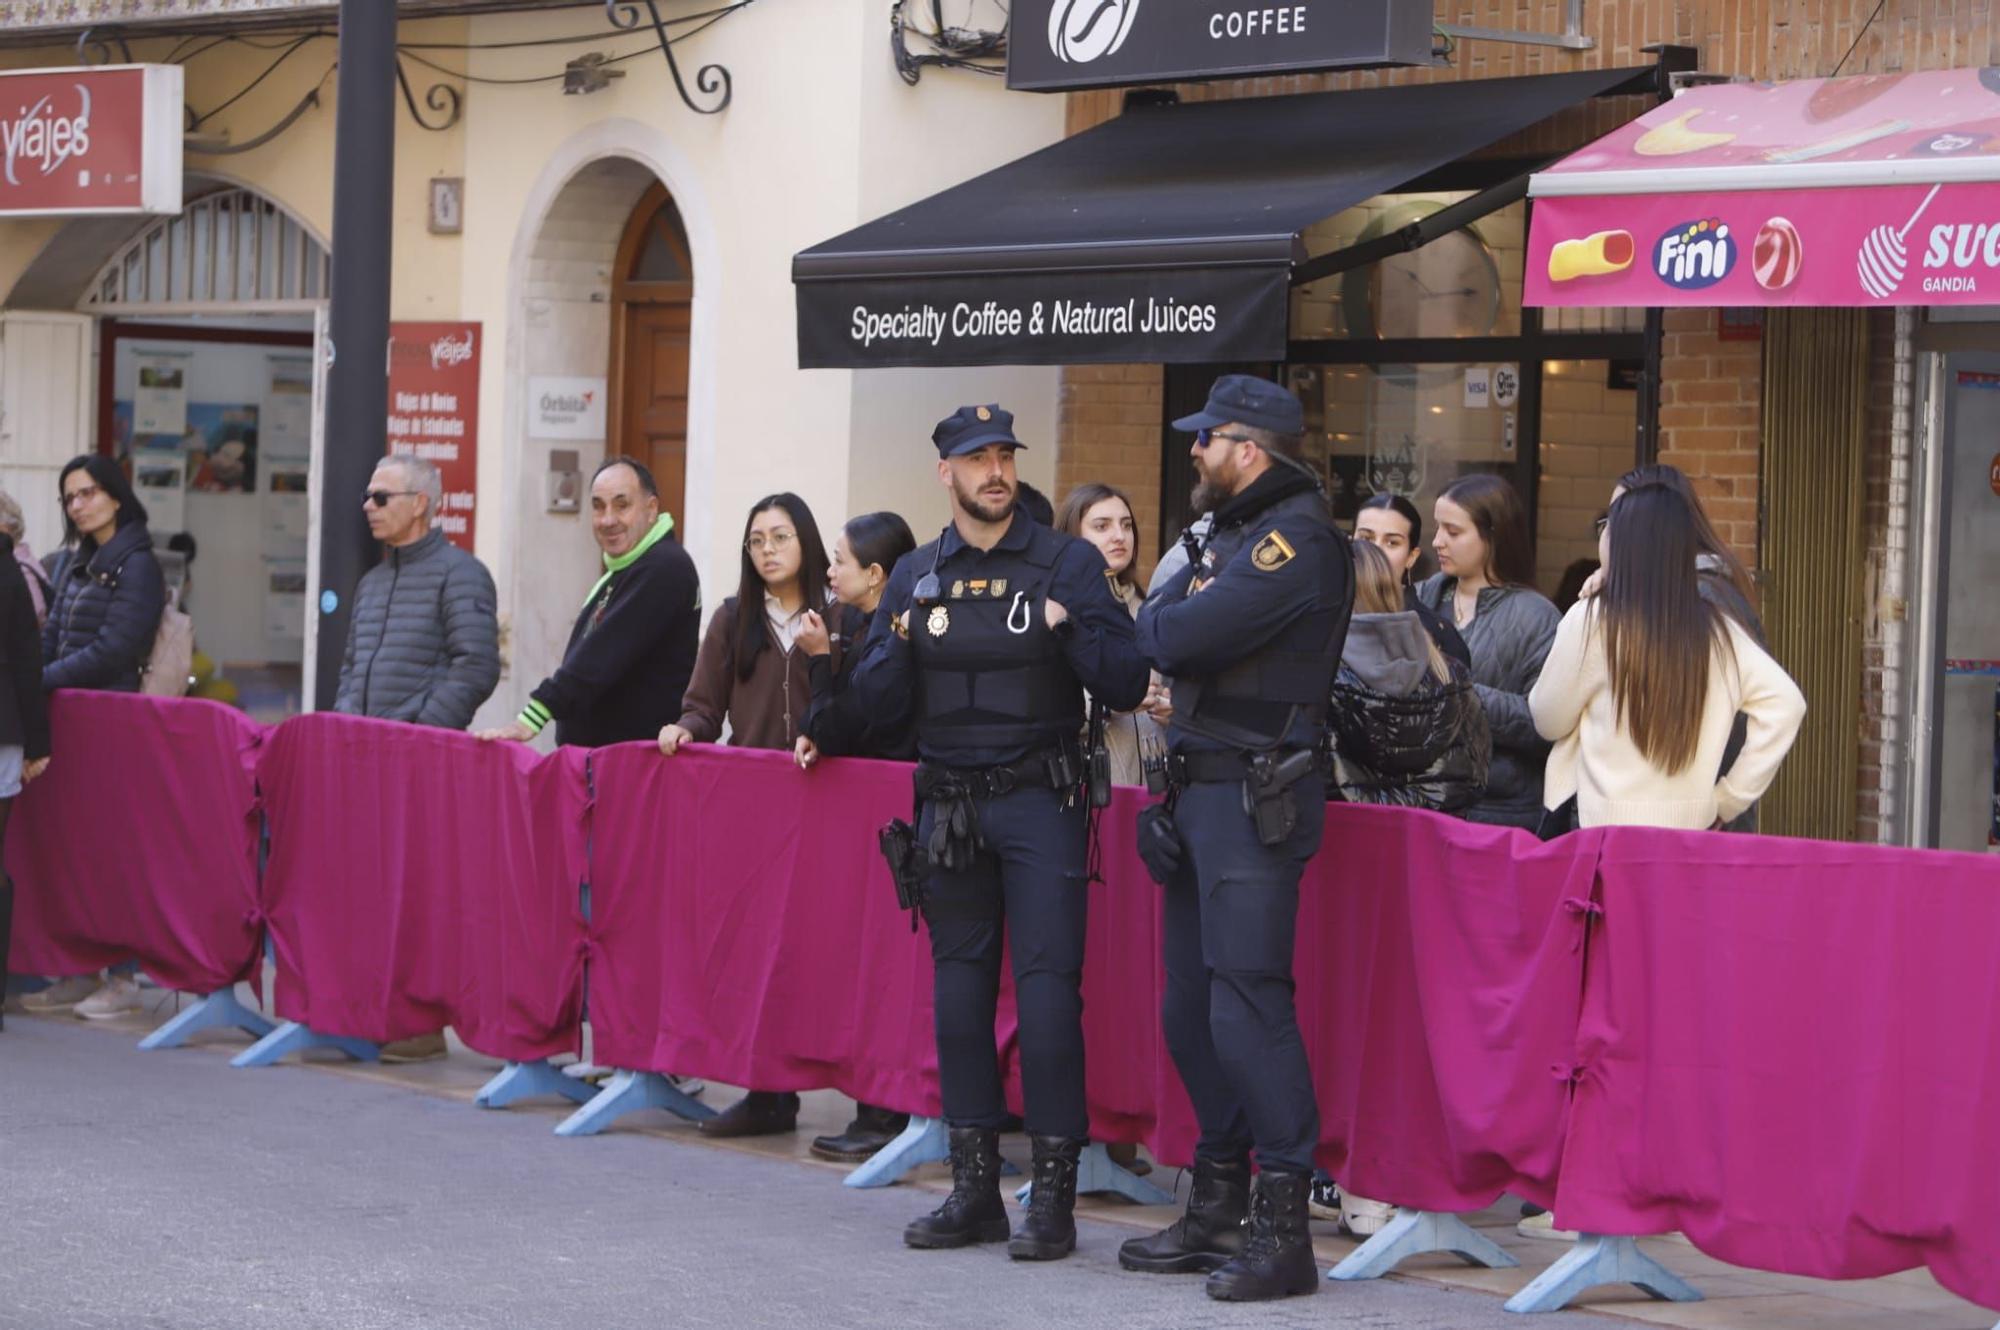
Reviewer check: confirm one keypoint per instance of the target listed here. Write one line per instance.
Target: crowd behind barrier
(1785, 1049)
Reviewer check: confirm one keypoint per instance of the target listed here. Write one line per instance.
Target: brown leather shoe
(418, 1048)
(758, 1113)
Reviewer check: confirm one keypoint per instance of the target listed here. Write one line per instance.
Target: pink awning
(1883, 189)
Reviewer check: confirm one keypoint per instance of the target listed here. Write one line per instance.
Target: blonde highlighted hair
(1377, 590)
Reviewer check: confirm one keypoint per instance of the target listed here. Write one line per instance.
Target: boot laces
(1262, 1240)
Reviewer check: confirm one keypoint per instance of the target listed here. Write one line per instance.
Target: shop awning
(1877, 190)
(1166, 234)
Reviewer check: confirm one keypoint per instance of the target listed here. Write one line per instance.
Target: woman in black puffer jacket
(1407, 726)
(106, 603)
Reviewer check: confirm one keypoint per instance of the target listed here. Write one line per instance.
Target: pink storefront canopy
(1882, 189)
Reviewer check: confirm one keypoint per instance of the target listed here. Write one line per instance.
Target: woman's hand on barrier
(671, 739)
(806, 752)
(513, 732)
(30, 770)
(813, 638)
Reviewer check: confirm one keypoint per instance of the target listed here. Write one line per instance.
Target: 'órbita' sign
(1058, 44)
(97, 139)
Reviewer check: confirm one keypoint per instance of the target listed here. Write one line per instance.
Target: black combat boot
(1208, 1234)
(973, 1212)
(1048, 1228)
(1277, 1256)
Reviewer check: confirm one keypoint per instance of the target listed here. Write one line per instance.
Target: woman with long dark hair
(1649, 675)
(869, 548)
(750, 673)
(1392, 525)
(1102, 515)
(1484, 587)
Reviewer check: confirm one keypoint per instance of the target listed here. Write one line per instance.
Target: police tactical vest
(1253, 703)
(993, 675)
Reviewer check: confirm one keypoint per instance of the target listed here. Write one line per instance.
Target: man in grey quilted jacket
(424, 643)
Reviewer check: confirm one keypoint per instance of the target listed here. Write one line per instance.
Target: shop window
(1466, 284)
(228, 247)
(1590, 419)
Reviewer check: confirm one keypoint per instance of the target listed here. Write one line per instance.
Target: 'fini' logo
(1695, 254)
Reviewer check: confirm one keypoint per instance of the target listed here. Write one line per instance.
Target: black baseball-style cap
(1248, 400)
(971, 428)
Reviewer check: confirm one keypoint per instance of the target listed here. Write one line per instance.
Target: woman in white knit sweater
(1644, 682)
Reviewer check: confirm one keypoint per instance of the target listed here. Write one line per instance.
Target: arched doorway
(652, 307)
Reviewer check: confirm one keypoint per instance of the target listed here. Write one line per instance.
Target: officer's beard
(1211, 491)
(979, 510)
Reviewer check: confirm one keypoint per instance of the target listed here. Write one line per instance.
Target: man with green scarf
(633, 647)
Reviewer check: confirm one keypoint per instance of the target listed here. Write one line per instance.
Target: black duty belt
(1207, 766)
(1054, 769)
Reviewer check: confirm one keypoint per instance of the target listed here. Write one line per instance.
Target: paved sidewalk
(165, 1191)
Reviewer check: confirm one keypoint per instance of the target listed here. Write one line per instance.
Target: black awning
(1166, 234)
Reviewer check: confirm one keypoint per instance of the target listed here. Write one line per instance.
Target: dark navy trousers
(1230, 921)
(1028, 888)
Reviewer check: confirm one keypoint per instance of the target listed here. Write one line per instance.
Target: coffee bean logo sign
(1081, 31)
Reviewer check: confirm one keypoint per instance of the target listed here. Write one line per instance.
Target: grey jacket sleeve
(1527, 641)
(471, 648)
(347, 696)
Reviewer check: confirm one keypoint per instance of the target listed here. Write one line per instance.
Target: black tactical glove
(1160, 843)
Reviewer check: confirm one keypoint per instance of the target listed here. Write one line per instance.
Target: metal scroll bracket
(710, 80)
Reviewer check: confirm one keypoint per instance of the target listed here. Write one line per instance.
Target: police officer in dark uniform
(1250, 632)
(992, 632)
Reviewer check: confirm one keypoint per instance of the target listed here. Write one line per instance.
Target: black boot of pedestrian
(1277, 1256)
(973, 1212)
(1048, 1228)
(757, 1113)
(1208, 1234)
(871, 1129)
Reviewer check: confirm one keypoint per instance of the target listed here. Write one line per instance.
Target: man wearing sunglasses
(424, 644)
(1251, 632)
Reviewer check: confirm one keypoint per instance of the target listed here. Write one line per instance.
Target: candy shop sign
(102, 139)
(1917, 244)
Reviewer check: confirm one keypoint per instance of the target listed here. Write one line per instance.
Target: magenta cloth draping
(419, 878)
(1791, 1053)
(139, 843)
(744, 927)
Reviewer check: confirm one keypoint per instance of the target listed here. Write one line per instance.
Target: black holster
(907, 866)
(1267, 793)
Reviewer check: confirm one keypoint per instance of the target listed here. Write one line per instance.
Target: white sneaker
(1543, 1226)
(62, 994)
(119, 995)
(1364, 1218)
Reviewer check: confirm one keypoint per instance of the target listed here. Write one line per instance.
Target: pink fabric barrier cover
(139, 843)
(419, 878)
(1791, 1053)
(744, 927)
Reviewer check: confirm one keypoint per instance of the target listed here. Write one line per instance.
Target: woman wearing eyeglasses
(750, 673)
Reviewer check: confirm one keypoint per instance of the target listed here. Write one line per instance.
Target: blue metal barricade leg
(628, 1092)
(527, 1080)
(1096, 1174)
(217, 1011)
(1413, 1233)
(291, 1037)
(1594, 1260)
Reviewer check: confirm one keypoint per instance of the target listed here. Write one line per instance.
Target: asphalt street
(166, 1191)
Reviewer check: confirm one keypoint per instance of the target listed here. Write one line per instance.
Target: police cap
(1246, 399)
(971, 428)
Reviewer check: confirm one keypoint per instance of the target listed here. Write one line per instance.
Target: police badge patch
(939, 621)
(1272, 553)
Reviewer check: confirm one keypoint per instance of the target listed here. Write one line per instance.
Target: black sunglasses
(1202, 437)
(380, 498)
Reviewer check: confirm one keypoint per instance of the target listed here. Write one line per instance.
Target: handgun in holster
(907, 866)
(1097, 759)
(1267, 793)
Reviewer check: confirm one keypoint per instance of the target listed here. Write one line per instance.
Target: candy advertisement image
(1592, 256)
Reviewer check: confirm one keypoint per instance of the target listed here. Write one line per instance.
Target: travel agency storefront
(587, 256)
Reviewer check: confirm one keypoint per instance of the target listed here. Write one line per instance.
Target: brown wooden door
(654, 419)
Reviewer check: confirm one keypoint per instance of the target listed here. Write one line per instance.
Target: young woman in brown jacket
(749, 674)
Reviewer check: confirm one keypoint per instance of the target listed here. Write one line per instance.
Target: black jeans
(1230, 920)
(1028, 887)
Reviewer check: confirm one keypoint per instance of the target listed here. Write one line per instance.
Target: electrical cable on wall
(952, 47)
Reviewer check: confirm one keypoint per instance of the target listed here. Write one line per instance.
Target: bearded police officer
(992, 632)
(1251, 632)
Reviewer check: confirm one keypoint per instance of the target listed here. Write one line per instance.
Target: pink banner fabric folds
(140, 843)
(1790, 1051)
(419, 878)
